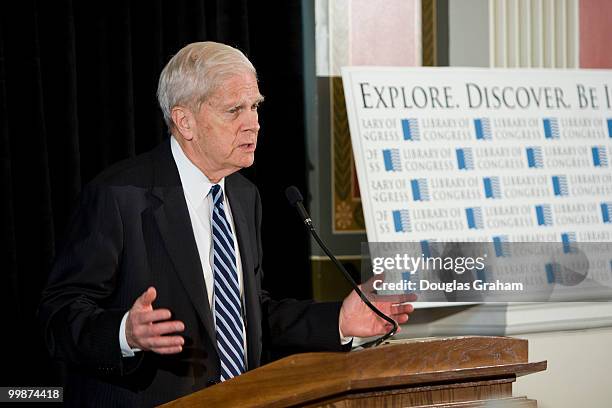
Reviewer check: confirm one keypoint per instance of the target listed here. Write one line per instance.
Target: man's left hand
(358, 320)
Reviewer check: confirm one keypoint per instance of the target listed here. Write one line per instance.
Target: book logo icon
(560, 187)
(420, 189)
(551, 128)
(535, 158)
(392, 160)
(401, 221)
(606, 212)
(410, 129)
(474, 217)
(567, 238)
(465, 158)
(483, 129)
(492, 187)
(544, 215)
(600, 156)
(501, 246)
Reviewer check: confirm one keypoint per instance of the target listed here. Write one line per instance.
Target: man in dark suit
(157, 293)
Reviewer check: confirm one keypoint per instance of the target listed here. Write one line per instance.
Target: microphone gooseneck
(296, 200)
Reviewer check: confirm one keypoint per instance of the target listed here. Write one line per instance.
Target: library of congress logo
(535, 157)
(544, 215)
(420, 189)
(606, 212)
(410, 129)
(482, 126)
(501, 246)
(600, 156)
(567, 239)
(392, 160)
(401, 221)
(474, 217)
(492, 187)
(465, 158)
(560, 186)
(551, 128)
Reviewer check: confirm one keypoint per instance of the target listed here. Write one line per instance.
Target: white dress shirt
(196, 187)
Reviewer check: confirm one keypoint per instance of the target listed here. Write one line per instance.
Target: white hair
(195, 72)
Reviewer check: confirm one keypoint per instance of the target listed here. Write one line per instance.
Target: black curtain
(77, 93)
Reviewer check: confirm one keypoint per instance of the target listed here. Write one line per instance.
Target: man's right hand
(148, 329)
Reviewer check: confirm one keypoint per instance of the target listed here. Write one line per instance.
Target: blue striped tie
(228, 316)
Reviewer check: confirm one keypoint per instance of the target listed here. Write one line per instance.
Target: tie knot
(217, 194)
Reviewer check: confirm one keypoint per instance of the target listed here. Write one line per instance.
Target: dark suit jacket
(132, 230)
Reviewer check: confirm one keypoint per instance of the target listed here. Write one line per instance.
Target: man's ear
(183, 121)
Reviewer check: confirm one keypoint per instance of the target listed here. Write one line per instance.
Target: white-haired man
(157, 292)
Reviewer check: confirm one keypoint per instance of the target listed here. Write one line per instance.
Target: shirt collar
(195, 183)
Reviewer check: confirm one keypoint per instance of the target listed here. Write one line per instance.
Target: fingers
(402, 308)
(149, 329)
(166, 342)
(147, 298)
(155, 336)
(407, 297)
(144, 333)
(401, 298)
(168, 350)
(152, 316)
(160, 329)
(401, 318)
(401, 313)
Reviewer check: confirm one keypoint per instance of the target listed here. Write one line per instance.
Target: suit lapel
(175, 227)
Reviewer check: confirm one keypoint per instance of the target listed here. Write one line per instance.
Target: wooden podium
(457, 372)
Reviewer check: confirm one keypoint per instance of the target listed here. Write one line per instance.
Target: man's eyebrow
(259, 100)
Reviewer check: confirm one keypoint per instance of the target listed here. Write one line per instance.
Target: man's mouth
(247, 147)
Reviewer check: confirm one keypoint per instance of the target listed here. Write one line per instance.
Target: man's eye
(255, 107)
(234, 110)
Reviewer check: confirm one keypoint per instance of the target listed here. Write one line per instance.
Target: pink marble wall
(385, 32)
(595, 34)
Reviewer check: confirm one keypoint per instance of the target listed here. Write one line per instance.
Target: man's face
(227, 125)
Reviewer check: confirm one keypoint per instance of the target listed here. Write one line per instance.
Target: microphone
(296, 200)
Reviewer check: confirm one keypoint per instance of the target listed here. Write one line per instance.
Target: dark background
(77, 93)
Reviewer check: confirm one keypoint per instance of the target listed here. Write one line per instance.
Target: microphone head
(293, 195)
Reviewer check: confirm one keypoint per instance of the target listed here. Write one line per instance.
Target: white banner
(481, 155)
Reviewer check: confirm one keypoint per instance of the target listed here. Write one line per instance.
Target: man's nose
(252, 121)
